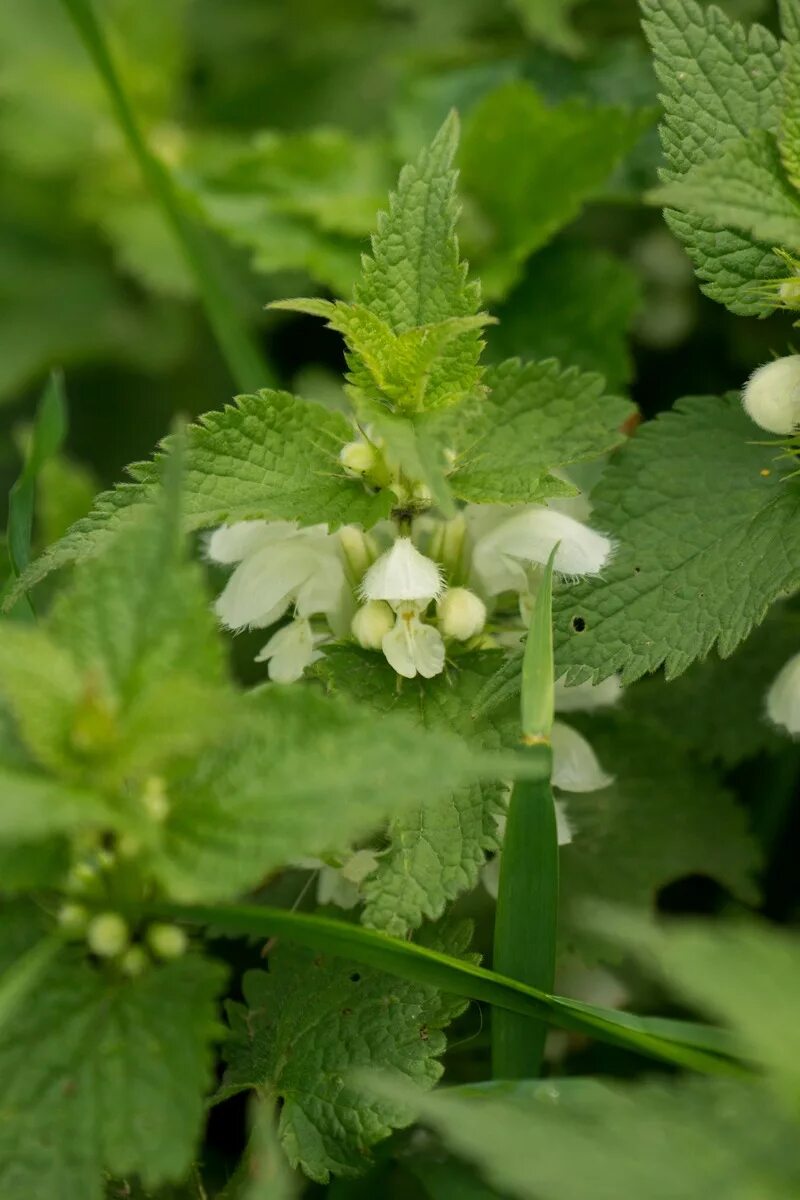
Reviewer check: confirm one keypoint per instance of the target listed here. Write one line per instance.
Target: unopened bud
(134, 961)
(462, 614)
(154, 798)
(107, 935)
(771, 396)
(371, 623)
(167, 941)
(358, 550)
(358, 458)
(789, 292)
(73, 918)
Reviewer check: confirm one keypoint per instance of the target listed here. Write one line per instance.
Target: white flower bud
(107, 935)
(358, 550)
(402, 573)
(462, 614)
(371, 623)
(783, 697)
(358, 458)
(167, 941)
(771, 396)
(134, 961)
(73, 918)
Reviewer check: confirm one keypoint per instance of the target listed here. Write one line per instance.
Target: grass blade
(244, 361)
(407, 960)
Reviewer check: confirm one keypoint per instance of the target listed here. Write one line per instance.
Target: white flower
(371, 623)
(503, 553)
(402, 574)
(461, 614)
(290, 651)
(575, 765)
(340, 886)
(585, 697)
(783, 697)
(412, 647)
(279, 564)
(771, 396)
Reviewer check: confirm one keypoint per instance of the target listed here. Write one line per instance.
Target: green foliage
(789, 128)
(310, 1024)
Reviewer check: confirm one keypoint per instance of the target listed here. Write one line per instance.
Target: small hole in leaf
(346, 1012)
(636, 570)
(578, 624)
(355, 977)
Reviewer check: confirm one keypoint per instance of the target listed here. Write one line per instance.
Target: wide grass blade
(244, 361)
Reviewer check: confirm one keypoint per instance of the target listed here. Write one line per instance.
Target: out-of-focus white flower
(585, 697)
(340, 885)
(771, 396)
(371, 623)
(279, 565)
(783, 697)
(461, 614)
(502, 555)
(291, 650)
(402, 574)
(575, 765)
(412, 647)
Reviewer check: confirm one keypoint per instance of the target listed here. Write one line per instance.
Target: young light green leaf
(720, 83)
(272, 456)
(537, 416)
(436, 847)
(745, 187)
(531, 168)
(310, 1024)
(105, 1075)
(693, 499)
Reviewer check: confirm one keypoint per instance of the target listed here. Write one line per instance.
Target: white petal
(413, 648)
(333, 888)
(563, 827)
(402, 573)
(262, 586)
(428, 651)
(530, 535)
(771, 396)
(783, 697)
(322, 591)
(575, 765)
(585, 697)
(289, 651)
(398, 647)
(232, 543)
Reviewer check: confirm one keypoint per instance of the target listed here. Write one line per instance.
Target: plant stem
(525, 922)
(244, 360)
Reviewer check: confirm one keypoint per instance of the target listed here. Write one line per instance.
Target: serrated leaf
(104, 1075)
(572, 1139)
(310, 1024)
(720, 83)
(436, 848)
(271, 456)
(789, 135)
(531, 168)
(708, 535)
(536, 416)
(744, 186)
(299, 775)
(663, 818)
(554, 313)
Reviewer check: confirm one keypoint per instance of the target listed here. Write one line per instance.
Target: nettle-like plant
(430, 580)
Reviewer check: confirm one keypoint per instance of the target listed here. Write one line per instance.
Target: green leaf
(554, 312)
(537, 416)
(573, 1139)
(663, 818)
(745, 187)
(42, 687)
(103, 1075)
(548, 21)
(309, 1024)
(707, 530)
(35, 807)
(437, 847)
(272, 456)
(789, 135)
(298, 775)
(531, 168)
(720, 83)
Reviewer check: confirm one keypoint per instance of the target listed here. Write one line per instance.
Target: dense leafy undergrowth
(369, 897)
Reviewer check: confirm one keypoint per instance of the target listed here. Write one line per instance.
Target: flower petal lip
(413, 648)
(289, 651)
(575, 765)
(528, 536)
(402, 573)
(771, 396)
(232, 543)
(783, 697)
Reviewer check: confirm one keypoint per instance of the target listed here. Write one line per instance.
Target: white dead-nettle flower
(585, 697)
(503, 553)
(279, 566)
(771, 396)
(783, 697)
(371, 623)
(575, 765)
(461, 614)
(413, 647)
(402, 574)
(341, 885)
